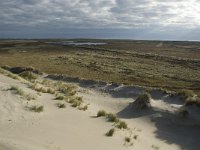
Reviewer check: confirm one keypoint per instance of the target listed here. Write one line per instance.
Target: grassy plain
(162, 64)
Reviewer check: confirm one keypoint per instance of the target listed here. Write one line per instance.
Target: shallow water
(77, 43)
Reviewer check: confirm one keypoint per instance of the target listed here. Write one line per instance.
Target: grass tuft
(112, 117)
(142, 102)
(101, 113)
(186, 94)
(110, 132)
(59, 97)
(127, 139)
(84, 108)
(60, 105)
(121, 125)
(37, 109)
(17, 90)
(192, 101)
(28, 75)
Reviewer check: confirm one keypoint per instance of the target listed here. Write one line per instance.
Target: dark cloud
(64, 15)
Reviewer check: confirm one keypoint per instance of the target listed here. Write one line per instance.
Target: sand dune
(159, 127)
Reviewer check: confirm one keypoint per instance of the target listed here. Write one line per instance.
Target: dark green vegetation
(101, 113)
(166, 65)
(110, 132)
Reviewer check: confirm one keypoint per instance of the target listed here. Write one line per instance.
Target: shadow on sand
(115, 90)
(170, 127)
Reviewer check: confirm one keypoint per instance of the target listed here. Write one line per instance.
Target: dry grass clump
(84, 108)
(60, 105)
(186, 94)
(127, 139)
(46, 82)
(110, 132)
(75, 101)
(192, 101)
(17, 90)
(37, 87)
(121, 125)
(135, 137)
(50, 90)
(28, 75)
(37, 109)
(101, 113)
(112, 118)
(59, 97)
(30, 97)
(22, 93)
(142, 102)
(67, 89)
(9, 74)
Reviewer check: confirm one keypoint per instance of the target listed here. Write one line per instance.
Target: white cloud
(101, 13)
(130, 14)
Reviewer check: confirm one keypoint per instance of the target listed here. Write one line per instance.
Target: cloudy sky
(131, 19)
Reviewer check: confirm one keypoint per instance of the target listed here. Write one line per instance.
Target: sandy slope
(52, 129)
(62, 129)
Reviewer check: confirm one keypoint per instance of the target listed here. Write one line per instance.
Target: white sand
(71, 129)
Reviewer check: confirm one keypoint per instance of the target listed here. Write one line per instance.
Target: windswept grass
(17, 90)
(67, 89)
(9, 74)
(28, 75)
